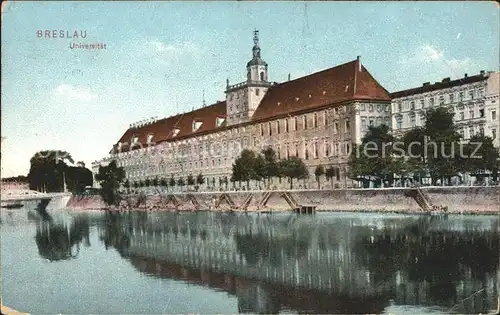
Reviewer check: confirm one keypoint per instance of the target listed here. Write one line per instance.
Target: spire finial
(256, 37)
(204, 98)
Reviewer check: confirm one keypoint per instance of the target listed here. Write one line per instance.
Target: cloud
(428, 63)
(173, 52)
(74, 93)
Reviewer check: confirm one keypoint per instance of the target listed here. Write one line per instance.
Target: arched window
(262, 76)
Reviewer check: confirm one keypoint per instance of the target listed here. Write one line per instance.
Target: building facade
(474, 100)
(317, 118)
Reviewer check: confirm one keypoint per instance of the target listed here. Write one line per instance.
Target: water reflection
(318, 264)
(58, 241)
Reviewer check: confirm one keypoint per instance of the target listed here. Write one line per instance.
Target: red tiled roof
(331, 86)
(347, 82)
(163, 129)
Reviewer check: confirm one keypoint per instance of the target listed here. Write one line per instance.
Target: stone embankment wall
(457, 199)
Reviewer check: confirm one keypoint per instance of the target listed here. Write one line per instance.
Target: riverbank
(465, 200)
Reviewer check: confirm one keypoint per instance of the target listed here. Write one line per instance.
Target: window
(370, 122)
(150, 138)
(363, 124)
(327, 149)
(306, 152)
(471, 114)
(336, 127)
(471, 94)
(315, 150)
(261, 78)
(493, 115)
(441, 100)
(481, 131)
(399, 123)
(287, 151)
(481, 92)
(461, 132)
(461, 96)
(315, 121)
(412, 120)
(295, 123)
(257, 92)
(270, 129)
(431, 101)
(362, 107)
(296, 150)
(325, 118)
(305, 121)
(462, 116)
(219, 121)
(286, 124)
(378, 108)
(196, 125)
(370, 107)
(471, 131)
(347, 126)
(451, 97)
(412, 105)
(481, 113)
(494, 133)
(261, 130)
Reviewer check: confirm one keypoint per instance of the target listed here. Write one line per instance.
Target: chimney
(358, 58)
(465, 76)
(288, 76)
(426, 84)
(481, 72)
(445, 80)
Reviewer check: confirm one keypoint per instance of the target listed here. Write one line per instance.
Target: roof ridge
(314, 73)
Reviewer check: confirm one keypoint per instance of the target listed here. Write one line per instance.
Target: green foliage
(329, 174)
(485, 157)
(110, 177)
(163, 182)
(171, 181)
(200, 180)
(46, 170)
(271, 164)
(374, 157)
(147, 182)
(155, 181)
(190, 180)
(318, 172)
(244, 167)
(293, 168)
(180, 182)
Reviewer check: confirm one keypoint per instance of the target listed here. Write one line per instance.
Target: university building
(474, 100)
(316, 117)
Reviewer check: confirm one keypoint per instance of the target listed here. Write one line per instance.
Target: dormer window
(176, 132)
(134, 140)
(219, 121)
(150, 138)
(196, 125)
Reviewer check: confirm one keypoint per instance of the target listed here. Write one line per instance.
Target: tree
(482, 157)
(294, 167)
(271, 165)
(110, 178)
(136, 184)
(77, 178)
(126, 185)
(318, 172)
(147, 182)
(330, 173)
(200, 180)
(171, 181)
(259, 169)
(373, 159)
(414, 142)
(164, 183)
(190, 180)
(180, 182)
(443, 159)
(155, 181)
(244, 167)
(46, 170)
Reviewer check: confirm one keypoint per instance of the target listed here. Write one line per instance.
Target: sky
(161, 56)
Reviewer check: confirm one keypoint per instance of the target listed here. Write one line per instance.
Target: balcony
(247, 83)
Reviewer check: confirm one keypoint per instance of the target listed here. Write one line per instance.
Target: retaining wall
(457, 199)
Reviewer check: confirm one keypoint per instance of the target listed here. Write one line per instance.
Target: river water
(329, 263)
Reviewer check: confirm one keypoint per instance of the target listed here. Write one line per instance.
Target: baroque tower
(243, 98)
